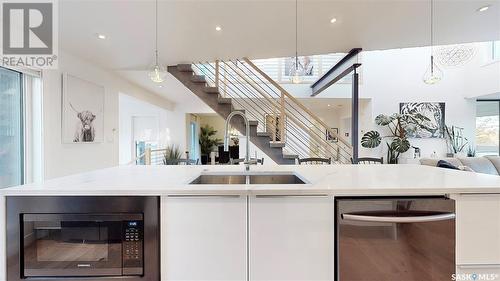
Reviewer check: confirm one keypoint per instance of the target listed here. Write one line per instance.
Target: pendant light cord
(156, 32)
(296, 38)
(432, 27)
(432, 37)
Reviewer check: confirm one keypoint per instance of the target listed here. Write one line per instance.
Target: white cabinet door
(291, 238)
(478, 229)
(204, 238)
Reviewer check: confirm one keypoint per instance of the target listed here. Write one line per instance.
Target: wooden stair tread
(276, 144)
(264, 134)
(185, 67)
(211, 90)
(198, 79)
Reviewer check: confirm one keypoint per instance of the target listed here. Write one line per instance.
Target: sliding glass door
(11, 128)
(487, 127)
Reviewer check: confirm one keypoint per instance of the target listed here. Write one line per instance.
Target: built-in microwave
(71, 245)
(89, 238)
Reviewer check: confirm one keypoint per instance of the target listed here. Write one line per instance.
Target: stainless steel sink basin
(250, 178)
(275, 179)
(219, 179)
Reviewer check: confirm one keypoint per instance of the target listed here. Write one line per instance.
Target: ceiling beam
(345, 66)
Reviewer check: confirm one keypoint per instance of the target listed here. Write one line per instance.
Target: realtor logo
(29, 34)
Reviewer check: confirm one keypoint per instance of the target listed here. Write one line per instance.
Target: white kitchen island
(279, 231)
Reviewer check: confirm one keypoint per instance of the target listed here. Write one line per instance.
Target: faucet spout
(247, 133)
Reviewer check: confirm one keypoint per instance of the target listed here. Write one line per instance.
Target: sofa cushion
(434, 161)
(495, 160)
(480, 165)
(446, 165)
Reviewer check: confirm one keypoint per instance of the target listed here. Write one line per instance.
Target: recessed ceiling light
(328, 105)
(333, 20)
(218, 28)
(101, 36)
(160, 86)
(484, 8)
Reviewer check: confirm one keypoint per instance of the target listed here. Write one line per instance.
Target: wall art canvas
(435, 111)
(329, 136)
(82, 111)
(305, 67)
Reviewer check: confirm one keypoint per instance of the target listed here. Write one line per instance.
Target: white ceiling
(261, 29)
(256, 29)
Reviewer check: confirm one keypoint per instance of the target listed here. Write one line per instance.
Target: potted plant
(207, 142)
(455, 140)
(172, 155)
(399, 125)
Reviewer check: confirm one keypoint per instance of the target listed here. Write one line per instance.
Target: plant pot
(204, 159)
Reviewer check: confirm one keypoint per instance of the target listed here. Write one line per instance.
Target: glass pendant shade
(433, 74)
(157, 73)
(296, 79)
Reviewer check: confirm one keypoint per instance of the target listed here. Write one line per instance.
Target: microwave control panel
(133, 232)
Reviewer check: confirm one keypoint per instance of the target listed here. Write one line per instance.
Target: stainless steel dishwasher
(395, 239)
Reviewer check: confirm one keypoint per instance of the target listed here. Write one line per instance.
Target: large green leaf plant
(207, 139)
(399, 126)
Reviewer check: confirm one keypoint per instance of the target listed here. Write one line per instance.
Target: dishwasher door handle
(428, 217)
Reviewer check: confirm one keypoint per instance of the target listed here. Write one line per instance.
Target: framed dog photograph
(82, 111)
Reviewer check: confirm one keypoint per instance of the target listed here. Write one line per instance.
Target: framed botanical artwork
(435, 112)
(329, 136)
(82, 111)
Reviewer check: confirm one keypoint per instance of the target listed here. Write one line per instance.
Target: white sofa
(486, 165)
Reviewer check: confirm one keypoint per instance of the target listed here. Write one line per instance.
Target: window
(311, 67)
(11, 128)
(194, 141)
(495, 50)
(487, 128)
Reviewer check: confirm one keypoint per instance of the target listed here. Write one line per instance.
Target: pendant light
(433, 74)
(157, 73)
(296, 79)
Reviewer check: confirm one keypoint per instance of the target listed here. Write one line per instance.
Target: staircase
(281, 126)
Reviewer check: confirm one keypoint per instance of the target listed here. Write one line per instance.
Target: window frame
(498, 104)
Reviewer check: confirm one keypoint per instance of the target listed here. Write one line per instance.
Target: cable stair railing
(287, 122)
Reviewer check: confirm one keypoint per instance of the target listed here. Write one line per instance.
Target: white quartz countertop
(345, 180)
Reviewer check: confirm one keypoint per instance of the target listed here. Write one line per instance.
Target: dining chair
(315, 161)
(368, 160)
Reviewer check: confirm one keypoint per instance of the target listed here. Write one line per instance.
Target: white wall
(169, 125)
(63, 159)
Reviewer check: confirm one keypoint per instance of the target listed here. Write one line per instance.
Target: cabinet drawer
(488, 272)
(478, 229)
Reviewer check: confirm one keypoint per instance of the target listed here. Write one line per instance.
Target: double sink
(249, 178)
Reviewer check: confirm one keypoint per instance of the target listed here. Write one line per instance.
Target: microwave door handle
(396, 219)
